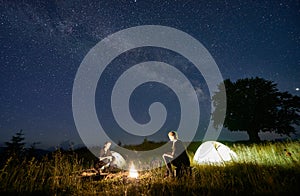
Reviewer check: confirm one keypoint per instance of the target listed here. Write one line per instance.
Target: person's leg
(167, 161)
(113, 163)
(178, 173)
(183, 170)
(104, 164)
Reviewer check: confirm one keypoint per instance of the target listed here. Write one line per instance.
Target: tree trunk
(253, 136)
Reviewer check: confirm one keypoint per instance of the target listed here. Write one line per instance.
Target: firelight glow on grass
(266, 168)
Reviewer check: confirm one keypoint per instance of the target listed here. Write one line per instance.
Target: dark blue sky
(43, 43)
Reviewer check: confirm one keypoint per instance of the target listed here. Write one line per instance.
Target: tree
(255, 105)
(16, 145)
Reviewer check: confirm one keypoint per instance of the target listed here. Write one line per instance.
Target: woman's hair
(173, 133)
(108, 142)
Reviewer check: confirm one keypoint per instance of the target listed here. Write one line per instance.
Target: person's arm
(168, 155)
(107, 157)
(174, 148)
(104, 155)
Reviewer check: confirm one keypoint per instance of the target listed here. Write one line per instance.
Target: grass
(261, 169)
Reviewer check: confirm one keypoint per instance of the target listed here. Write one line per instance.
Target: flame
(133, 172)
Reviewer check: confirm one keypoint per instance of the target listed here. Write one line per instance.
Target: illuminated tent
(119, 160)
(212, 152)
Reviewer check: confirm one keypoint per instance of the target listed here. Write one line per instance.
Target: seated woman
(105, 158)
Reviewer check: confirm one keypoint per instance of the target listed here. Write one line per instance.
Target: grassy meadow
(261, 169)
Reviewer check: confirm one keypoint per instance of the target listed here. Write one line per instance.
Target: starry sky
(43, 43)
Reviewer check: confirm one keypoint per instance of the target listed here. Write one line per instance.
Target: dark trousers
(180, 168)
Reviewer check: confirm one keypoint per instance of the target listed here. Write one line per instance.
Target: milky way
(42, 45)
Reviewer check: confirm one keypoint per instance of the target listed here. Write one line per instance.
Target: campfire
(133, 173)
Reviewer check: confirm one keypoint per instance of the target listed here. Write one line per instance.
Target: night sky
(42, 45)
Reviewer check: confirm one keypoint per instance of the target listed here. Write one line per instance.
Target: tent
(212, 152)
(119, 160)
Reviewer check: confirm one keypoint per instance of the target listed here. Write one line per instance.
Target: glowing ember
(133, 172)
